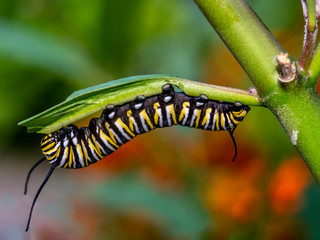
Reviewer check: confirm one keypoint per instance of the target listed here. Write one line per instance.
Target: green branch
(311, 10)
(299, 113)
(247, 38)
(309, 13)
(314, 69)
(292, 100)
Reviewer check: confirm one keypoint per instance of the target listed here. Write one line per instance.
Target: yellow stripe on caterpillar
(125, 127)
(206, 118)
(185, 111)
(217, 122)
(110, 133)
(71, 157)
(145, 116)
(172, 113)
(85, 154)
(96, 145)
(241, 113)
(108, 139)
(131, 120)
(48, 147)
(232, 119)
(157, 113)
(92, 146)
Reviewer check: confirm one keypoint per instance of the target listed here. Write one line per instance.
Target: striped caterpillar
(73, 147)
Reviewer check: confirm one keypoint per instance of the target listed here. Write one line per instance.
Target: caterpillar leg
(53, 166)
(234, 143)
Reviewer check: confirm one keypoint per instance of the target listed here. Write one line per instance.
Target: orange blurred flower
(234, 193)
(287, 185)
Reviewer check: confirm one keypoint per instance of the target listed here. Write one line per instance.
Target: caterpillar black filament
(73, 147)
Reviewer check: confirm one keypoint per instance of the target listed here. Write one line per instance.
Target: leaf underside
(89, 101)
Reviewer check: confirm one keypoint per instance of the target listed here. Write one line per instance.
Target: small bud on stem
(287, 68)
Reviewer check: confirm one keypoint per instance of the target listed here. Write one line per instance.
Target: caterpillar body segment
(73, 147)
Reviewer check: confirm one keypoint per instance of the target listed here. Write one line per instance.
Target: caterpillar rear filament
(73, 147)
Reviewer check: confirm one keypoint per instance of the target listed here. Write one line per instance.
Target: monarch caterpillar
(73, 147)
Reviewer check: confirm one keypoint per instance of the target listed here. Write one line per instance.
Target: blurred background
(175, 183)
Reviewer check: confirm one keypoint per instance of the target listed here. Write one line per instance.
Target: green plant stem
(310, 35)
(314, 69)
(311, 9)
(299, 113)
(248, 39)
(296, 106)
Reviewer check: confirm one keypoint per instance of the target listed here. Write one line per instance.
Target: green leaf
(92, 100)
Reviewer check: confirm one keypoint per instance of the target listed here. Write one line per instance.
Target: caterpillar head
(239, 111)
(52, 143)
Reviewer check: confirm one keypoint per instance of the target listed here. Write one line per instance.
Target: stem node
(287, 68)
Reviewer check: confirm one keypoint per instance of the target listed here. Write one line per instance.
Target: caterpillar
(73, 147)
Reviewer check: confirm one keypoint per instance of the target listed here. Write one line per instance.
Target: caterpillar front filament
(73, 147)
